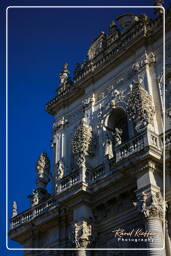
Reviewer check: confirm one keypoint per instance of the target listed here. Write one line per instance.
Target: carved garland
(140, 107)
(82, 142)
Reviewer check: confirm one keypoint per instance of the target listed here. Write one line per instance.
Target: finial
(42, 170)
(158, 11)
(64, 74)
(14, 209)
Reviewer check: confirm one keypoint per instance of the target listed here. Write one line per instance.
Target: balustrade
(32, 213)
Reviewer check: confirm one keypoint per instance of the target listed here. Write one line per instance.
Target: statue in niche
(108, 144)
(117, 136)
(60, 169)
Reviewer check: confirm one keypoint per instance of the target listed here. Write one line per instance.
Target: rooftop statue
(14, 209)
(42, 169)
(64, 74)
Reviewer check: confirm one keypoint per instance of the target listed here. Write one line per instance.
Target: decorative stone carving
(114, 31)
(38, 195)
(109, 148)
(158, 11)
(35, 198)
(117, 96)
(59, 124)
(43, 177)
(127, 20)
(60, 169)
(140, 107)
(150, 204)
(147, 58)
(64, 74)
(117, 136)
(82, 143)
(42, 170)
(82, 234)
(97, 46)
(14, 209)
(88, 102)
(43, 165)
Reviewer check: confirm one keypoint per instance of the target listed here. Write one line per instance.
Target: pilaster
(150, 205)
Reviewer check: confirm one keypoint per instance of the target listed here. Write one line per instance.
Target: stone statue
(64, 74)
(117, 136)
(60, 169)
(108, 147)
(14, 209)
(42, 170)
(35, 197)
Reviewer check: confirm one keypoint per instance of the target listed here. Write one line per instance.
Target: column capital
(82, 233)
(150, 203)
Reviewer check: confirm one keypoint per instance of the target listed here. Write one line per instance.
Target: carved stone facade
(107, 168)
(82, 143)
(82, 234)
(140, 107)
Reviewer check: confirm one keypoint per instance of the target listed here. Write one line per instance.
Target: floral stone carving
(82, 143)
(140, 107)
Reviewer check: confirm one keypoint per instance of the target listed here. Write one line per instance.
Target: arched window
(117, 124)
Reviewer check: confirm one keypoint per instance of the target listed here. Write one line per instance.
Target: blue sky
(40, 42)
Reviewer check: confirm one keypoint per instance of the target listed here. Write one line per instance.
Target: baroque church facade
(110, 151)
